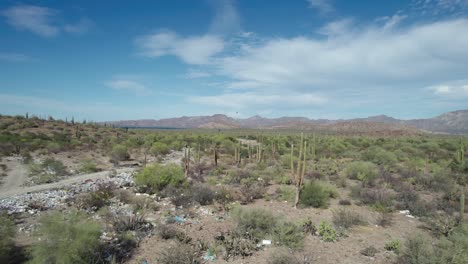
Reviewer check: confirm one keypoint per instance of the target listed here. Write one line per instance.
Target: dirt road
(17, 174)
(18, 189)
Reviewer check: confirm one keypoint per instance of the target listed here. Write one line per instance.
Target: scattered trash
(57, 198)
(179, 219)
(407, 213)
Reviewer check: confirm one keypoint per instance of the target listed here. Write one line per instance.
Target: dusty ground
(346, 250)
(16, 174)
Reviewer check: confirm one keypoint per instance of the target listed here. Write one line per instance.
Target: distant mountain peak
(455, 122)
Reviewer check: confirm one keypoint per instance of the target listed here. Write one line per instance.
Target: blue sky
(316, 58)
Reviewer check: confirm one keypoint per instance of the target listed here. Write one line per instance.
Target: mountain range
(455, 122)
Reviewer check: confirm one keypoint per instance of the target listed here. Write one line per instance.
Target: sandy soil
(17, 174)
(346, 250)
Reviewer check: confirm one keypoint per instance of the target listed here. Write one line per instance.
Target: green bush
(364, 171)
(7, 234)
(54, 147)
(417, 250)
(317, 194)
(326, 232)
(345, 218)
(88, 166)
(119, 153)
(156, 177)
(393, 245)
(254, 221)
(53, 166)
(70, 238)
(289, 235)
(159, 148)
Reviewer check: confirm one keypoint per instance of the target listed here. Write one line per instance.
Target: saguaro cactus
(187, 160)
(298, 175)
(462, 205)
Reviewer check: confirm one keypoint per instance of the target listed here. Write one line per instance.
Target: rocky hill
(452, 123)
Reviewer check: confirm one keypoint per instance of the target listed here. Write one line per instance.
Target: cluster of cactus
(298, 174)
(259, 153)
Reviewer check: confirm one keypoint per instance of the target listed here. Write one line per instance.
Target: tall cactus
(187, 160)
(462, 205)
(298, 175)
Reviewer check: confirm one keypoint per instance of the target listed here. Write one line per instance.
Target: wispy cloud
(192, 50)
(323, 6)
(36, 19)
(455, 89)
(226, 19)
(14, 57)
(128, 85)
(42, 21)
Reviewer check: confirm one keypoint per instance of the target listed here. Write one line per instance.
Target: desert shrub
(417, 250)
(385, 219)
(54, 147)
(283, 256)
(317, 194)
(393, 245)
(380, 156)
(119, 153)
(344, 202)
(254, 221)
(156, 177)
(251, 192)
(442, 224)
(166, 231)
(66, 238)
(345, 218)
(7, 234)
(88, 166)
(224, 196)
(285, 193)
(326, 232)
(237, 244)
(159, 148)
(203, 194)
(369, 251)
(134, 222)
(454, 248)
(54, 167)
(377, 197)
(96, 199)
(288, 234)
(364, 171)
(178, 254)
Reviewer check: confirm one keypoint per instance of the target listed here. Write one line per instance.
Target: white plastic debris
(266, 242)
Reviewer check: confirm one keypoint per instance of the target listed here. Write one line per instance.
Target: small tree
(119, 153)
(70, 238)
(156, 177)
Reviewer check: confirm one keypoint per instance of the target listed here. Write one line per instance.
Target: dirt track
(18, 189)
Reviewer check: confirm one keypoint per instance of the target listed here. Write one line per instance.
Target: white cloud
(32, 18)
(323, 6)
(258, 100)
(14, 57)
(127, 85)
(42, 21)
(354, 56)
(455, 89)
(192, 50)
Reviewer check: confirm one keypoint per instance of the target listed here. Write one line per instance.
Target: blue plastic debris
(179, 219)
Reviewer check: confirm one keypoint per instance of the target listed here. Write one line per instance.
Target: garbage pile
(32, 203)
